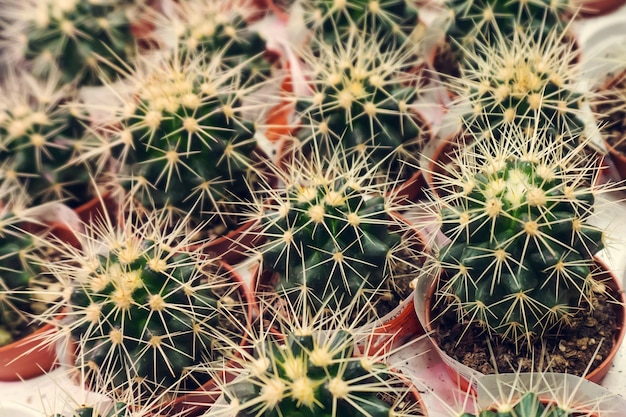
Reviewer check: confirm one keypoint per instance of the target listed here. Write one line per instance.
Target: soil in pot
(590, 340)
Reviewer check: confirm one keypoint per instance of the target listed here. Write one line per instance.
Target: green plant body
(333, 233)
(525, 82)
(519, 260)
(529, 405)
(41, 138)
(220, 28)
(365, 101)
(307, 376)
(145, 310)
(474, 21)
(184, 144)
(118, 409)
(391, 21)
(83, 39)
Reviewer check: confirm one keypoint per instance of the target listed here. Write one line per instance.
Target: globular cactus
(365, 101)
(82, 39)
(395, 22)
(143, 309)
(517, 80)
(41, 138)
(221, 28)
(485, 20)
(529, 405)
(25, 291)
(331, 231)
(519, 257)
(317, 373)
(182, 139)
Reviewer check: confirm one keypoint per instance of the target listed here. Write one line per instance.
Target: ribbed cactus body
(40, 147)
(186, 146)
(333, 238)
(224, 30)
(364, 101)
(81, 38)
(520, 254)
(392, 20)
(17, 276)
(486, 20)
(144, 312)
(529, 405)
(303, 377)
(519, 81)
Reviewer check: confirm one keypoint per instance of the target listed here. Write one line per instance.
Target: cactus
(317, 373)
(25, 291)
(393, 21)
(41, 137)
(529, 405)
(516, 210)
(525, 82)
(475, 19)
(183, 143)
(332, 231)
(364, 100)
(144, 309)
(81, 38)
(218, 27)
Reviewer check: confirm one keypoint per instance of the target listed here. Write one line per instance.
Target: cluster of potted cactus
(156, 113)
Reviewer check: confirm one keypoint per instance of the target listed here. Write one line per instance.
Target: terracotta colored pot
(467, 377)
(234, 245)
(28, 357)
(98, 207)
(590, 8)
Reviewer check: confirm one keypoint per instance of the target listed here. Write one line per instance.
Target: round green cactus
(221, 28)
(519, 259)
(524, 82)
(310, 375)
(183, 142)
(365, 101)
(83, 39)
(25, 290)
(332, 231)
(393, 21)
(529, 405)
(41, 138)
(486, 20)
(146, 310)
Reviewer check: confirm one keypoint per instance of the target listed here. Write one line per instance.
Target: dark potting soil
(589, 339)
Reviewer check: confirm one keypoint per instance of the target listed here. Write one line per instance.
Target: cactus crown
(183, 129)
(519, 80)
(143, 307)
(519, 260)
(309, 376)
(80, 38)
(393, 21)
(41, 137)
(332, 231)
(364, 100)
(218, 27)
(472, 20)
